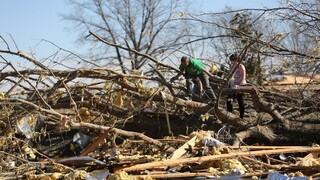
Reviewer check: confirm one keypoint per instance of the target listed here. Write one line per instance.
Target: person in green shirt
(192, 69)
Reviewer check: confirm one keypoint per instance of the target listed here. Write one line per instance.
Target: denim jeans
(209, 94)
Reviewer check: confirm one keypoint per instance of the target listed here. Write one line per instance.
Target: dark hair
(233, 57)
(184, 58)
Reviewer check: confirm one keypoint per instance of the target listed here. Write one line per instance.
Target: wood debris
(100, 123)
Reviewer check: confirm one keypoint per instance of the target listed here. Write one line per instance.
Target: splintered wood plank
(311, 155)
(165, 175)
(176, 175)
(182, 150)
(264, 147)
(174, 162)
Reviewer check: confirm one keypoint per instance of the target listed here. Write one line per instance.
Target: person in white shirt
(238, 79)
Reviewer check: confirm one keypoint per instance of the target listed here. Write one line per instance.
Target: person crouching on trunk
(192, 69)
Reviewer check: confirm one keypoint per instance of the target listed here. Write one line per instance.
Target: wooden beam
(166, 163)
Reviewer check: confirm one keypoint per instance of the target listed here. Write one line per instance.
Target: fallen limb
(122, 132)
(258, 132)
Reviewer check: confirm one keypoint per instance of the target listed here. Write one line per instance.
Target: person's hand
(212, 77)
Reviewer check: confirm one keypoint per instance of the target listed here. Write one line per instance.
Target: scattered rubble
(198, 155)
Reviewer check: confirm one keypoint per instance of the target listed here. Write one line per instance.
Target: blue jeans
(209, 94)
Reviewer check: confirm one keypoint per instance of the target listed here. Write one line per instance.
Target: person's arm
(242, 71)
(207, 72)
(177, 76)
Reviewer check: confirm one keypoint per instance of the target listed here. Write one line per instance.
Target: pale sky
(28, 21)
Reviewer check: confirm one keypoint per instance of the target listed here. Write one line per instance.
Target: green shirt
(194, 67)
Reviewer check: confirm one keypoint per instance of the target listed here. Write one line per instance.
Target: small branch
(132, 50)
(122, 132)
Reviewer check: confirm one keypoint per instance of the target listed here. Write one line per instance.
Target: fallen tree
(106, 93)
(48, 107)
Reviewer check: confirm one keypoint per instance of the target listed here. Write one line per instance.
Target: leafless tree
(302, 34)
(143, 25)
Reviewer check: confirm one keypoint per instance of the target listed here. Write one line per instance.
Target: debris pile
(90, 156)
(99, 123)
